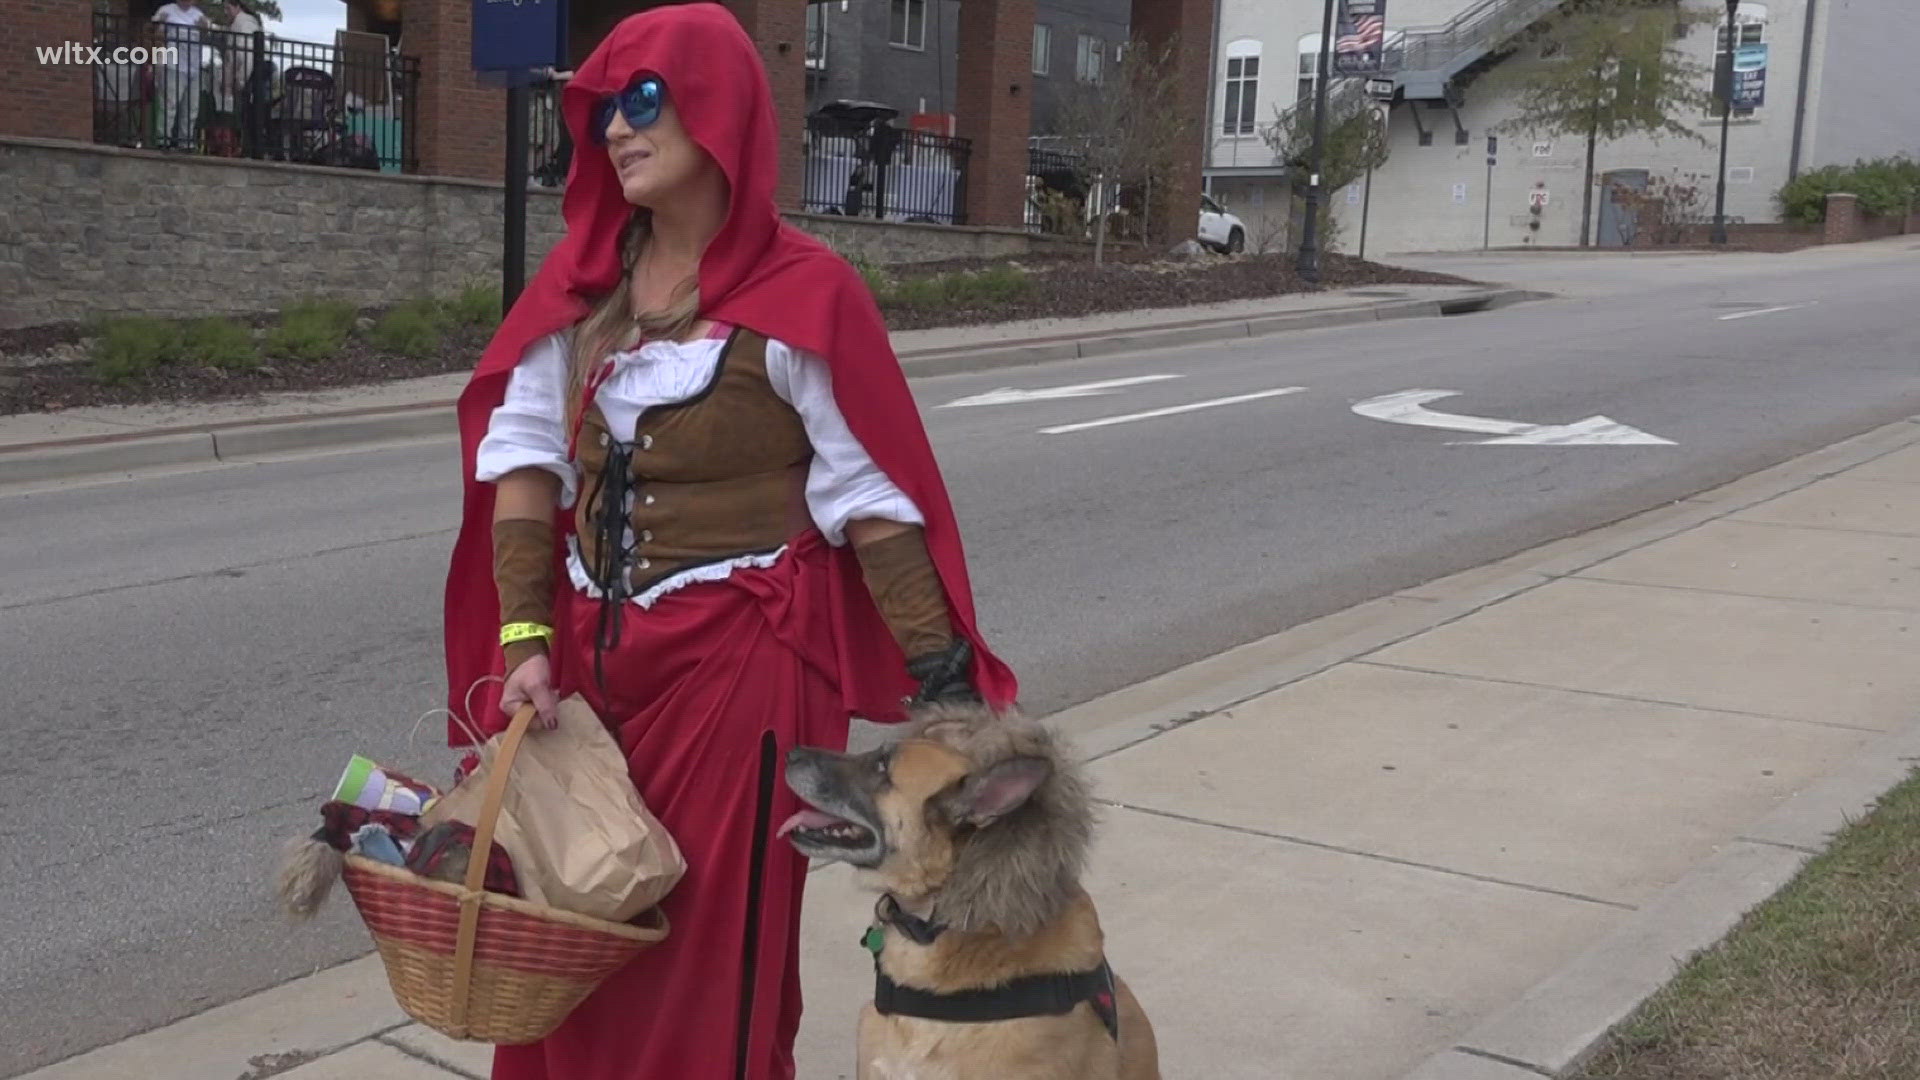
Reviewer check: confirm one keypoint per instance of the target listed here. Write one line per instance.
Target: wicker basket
(480, 966)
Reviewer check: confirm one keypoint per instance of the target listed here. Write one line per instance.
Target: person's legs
(168, 80)
(190, 108)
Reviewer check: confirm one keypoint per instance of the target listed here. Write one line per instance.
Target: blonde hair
(614, 325)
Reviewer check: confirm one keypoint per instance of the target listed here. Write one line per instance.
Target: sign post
(515, 44)
(1726, 121)
(1359, 51)
(1493, 157)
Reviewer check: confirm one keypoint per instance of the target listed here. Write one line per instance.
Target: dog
(989, 960)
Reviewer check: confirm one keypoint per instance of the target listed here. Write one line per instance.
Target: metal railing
(254, 96)
(549, 144)
(880, 171)
(1057, 190)
(1474, 32)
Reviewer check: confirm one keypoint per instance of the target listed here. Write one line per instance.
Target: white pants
(179, 89)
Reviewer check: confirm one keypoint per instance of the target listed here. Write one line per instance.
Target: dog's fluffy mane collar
(1014, 875)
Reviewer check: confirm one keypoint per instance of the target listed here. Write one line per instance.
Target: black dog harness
(1033, 995)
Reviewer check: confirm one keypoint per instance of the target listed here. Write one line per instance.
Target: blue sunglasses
(640, 103)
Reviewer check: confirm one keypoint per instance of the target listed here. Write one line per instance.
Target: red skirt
(706, 691)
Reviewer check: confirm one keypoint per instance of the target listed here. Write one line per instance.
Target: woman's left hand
(532, 681)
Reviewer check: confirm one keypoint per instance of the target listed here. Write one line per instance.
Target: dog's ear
(991, 794)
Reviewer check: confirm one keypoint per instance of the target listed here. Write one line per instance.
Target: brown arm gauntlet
(523, 574)
(906, 587)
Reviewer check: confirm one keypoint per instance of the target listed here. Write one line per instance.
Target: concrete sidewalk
(1452, 834)
(106, 440)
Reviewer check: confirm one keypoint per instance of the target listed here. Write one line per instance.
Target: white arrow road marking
(1763, 311)
(1171, 410)
(1409, 407)
(1008, 395)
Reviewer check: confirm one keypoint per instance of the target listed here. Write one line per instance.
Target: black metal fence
(254, 96)
(1056, 191)
(880, 171)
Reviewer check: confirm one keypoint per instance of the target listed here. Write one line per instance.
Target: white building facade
(1834, 91)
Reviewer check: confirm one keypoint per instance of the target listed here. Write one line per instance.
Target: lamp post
(1308, 263)
(1726, 122)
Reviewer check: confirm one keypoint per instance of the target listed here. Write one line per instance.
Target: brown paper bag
(579, 836)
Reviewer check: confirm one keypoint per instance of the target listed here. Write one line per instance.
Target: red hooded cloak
(759, 273)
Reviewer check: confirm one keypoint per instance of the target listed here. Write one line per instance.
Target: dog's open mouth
(819, 829)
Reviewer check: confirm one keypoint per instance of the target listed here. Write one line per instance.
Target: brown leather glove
(906, 587)
(523, 575)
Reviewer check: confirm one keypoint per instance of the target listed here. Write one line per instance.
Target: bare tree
(1123, 132)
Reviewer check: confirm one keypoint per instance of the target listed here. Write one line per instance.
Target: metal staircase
(1425, 60)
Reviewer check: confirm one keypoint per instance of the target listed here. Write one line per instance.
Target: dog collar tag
(874, 940)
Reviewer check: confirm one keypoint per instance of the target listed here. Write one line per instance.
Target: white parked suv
(1220, 230)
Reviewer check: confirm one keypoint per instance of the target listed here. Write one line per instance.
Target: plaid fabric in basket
(454, 840)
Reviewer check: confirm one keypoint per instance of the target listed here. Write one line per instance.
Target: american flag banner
(1362, 39)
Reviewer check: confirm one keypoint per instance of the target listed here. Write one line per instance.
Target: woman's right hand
(531, 681)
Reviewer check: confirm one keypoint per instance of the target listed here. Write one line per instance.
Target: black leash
(750, 961)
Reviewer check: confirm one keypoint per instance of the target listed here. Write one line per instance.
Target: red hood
(759, 273)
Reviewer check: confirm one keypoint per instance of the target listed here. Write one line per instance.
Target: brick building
(457, 124)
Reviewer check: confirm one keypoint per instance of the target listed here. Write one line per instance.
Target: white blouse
(528, 430)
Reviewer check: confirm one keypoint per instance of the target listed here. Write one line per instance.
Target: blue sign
(515, 36)
(1749, 77)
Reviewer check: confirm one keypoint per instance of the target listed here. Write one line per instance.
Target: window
(1242, 94)
(1309, 69)
(1042, 49)
(1090, 59)
(909, 26)
(817, 37)
(1750, 28)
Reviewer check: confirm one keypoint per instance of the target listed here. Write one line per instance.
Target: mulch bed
(46, 368)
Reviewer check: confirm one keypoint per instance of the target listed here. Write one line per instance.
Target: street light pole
(1308, 264)
(1726, 122)
(513, 262)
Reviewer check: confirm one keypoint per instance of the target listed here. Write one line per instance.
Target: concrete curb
(1559, 1025)
(108, 455)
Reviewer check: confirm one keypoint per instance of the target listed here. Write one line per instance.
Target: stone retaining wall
(92, 230)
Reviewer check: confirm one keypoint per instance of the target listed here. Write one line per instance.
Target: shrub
(1001, 283)
(1804, 200)
(311, 330)
(1887, 187)
(476, 305)
(878, 283)
(130, 348)
(416, 329)
(921, 291)
(222, 343)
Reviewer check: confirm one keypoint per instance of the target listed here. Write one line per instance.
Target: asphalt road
(190, 659)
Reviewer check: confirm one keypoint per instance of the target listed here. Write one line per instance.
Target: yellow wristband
(524, 631)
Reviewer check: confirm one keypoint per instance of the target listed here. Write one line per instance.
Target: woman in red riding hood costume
(699, 494)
